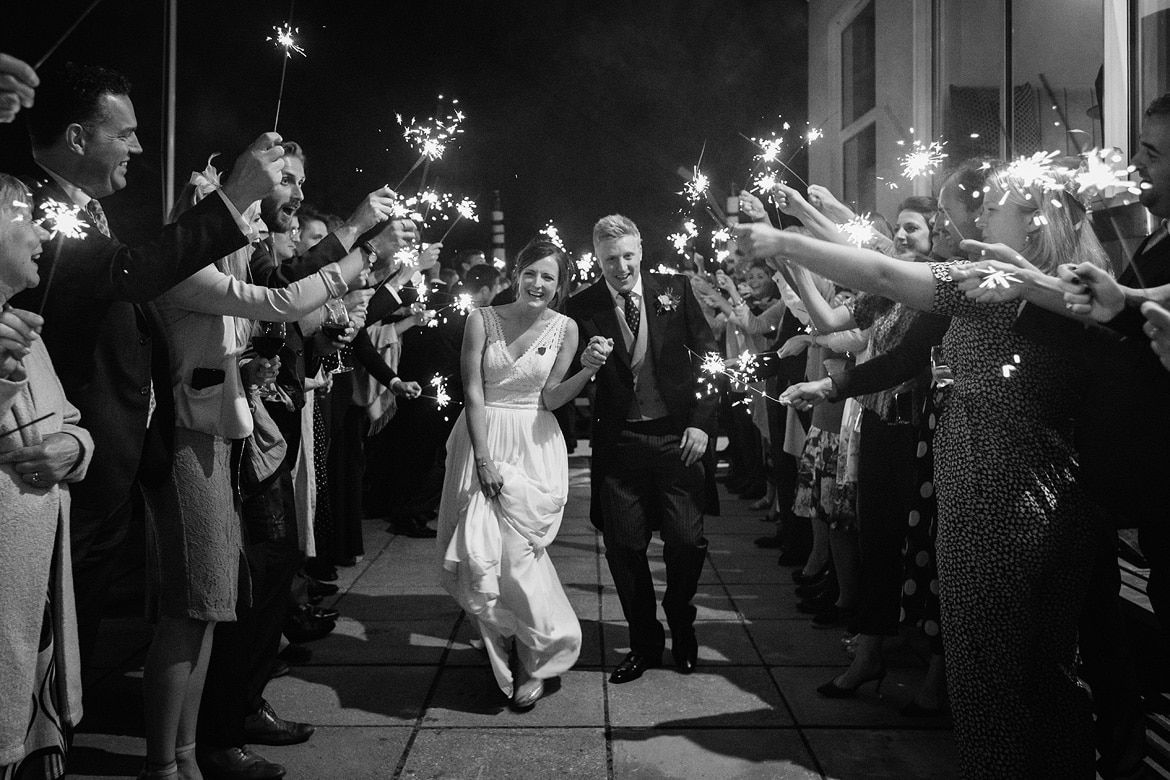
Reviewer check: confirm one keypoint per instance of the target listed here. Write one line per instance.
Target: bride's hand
(490, 481)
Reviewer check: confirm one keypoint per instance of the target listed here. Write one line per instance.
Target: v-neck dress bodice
(517, 383)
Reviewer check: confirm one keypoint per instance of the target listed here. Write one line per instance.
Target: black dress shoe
(413, 528)
(296, 654)
(265, 727)
(684, 646)
(302, 625)
(634, 665)
(237, 764)
(318, 589)
(324, 613)
(815, 589)
(800, 578)
(320, 571)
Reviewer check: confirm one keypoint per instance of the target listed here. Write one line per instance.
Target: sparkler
(464, 303)
(585, 265)
(923, 159)
(550, 232)
(859, 230)
(283, 38)
(67, 222)
(713, 365)
(430, 137)
(442, 397)
(66, 34)
(994, 278)
(696, 188)
(464, 209)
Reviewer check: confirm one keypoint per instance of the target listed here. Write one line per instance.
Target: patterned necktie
(98, 216)
(633, 312)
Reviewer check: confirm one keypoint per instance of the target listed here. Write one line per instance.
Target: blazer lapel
(655, 332)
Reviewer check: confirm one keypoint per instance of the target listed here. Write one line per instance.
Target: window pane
(1153, 76)
(1058, 68)
(969, 77)
(859, 161)
(858, 66)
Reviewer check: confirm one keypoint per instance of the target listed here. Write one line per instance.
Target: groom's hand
(694, 444)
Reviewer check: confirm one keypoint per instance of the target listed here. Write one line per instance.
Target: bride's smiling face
(537, 282)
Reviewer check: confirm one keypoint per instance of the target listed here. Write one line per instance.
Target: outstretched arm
(909, 283)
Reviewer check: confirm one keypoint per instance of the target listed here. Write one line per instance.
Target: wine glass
(939, 369)
(268, 341)
(336, 321)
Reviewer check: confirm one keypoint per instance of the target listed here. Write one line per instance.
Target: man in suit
(651, 428)
(100, 329)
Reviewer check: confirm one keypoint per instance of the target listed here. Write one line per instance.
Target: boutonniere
(668, 301)
(541, 350)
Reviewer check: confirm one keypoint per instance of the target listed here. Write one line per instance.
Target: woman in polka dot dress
(1016, 533)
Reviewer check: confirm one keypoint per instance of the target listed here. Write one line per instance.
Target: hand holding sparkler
(1157, 327)
(18, 330)
(790, 201)
(377, 207)
(803, 396)
(795, 345)
(255, 172)
(752, 207)
(824, 201)
(405, 389)
(18, 83)
(760, 240)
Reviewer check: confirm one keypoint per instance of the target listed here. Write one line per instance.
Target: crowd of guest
(244, 380)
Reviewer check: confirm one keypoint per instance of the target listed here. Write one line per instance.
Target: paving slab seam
(608, 730)
(427, 700)
(751, 639)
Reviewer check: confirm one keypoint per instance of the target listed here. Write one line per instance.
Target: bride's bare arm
(471, 360)
(559, 391)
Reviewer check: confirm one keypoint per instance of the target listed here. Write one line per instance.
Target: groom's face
(620, 260)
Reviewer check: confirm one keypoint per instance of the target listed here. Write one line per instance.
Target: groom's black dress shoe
(634, 665)
(685, 649)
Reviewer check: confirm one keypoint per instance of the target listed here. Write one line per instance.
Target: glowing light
(585, 265)
(283, 38)
(765, 182)
(679, 240)
(1037, 170)
(466, 209)
(713, 364)
(666, 270)
(922, 159)
(464, 303)
(696, 188)
(550, 232)
(431, 136)
(62, 219)
(1103, 174)
(769, 148)
(814, 134)
(996, 278)
(859, 230)
(442, 397)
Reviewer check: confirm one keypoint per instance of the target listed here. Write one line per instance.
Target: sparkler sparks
(769, 148)
(859, 230)
(1104, 174)
(765, 182)
(283, 38)
(813, 134)
(442, 397)
(995, 278)
(466, 209)
(922, 159)
(430, 137)
(464, 303)
(585, 265)
(696, 188)
(553, 235)
(62, 219)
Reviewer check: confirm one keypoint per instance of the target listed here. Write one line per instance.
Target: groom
(650, 435)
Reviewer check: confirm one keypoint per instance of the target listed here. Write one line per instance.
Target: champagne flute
(334, 326)
(267, 341)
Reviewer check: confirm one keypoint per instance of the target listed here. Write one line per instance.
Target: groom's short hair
(614, 226)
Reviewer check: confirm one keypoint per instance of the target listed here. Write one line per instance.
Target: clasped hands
(596, 352)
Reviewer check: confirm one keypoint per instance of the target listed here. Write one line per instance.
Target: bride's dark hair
(538, 249)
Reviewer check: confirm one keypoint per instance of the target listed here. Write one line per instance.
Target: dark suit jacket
(106, 342)
(678, 339)
(1123, 426)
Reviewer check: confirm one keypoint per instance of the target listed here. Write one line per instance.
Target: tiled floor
(397, 691)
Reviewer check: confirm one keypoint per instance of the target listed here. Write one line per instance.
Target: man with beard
(234, 712)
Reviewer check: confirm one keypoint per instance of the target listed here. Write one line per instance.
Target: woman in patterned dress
(507, 476)
(1016, 531)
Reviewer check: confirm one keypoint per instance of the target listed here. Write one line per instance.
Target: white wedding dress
(495, 561)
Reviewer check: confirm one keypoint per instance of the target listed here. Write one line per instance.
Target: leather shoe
(319, 570)
(318, 589)
(685, 649)
(265, 727)
(302, 625)
(413, 528)
(237, 764)
(634, 665)
(325, 613)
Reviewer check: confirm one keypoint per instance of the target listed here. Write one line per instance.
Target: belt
(663, 426)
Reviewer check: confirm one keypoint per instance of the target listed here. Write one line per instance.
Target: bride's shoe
(527, 694)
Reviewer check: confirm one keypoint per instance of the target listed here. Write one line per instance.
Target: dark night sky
(574, 109)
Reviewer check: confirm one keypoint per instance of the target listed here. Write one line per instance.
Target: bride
(507, 477)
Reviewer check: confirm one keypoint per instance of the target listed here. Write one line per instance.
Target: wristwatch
(372, 254)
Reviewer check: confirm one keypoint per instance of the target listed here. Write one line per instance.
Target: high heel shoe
(800, 578)
(527, 694)
(832, 690)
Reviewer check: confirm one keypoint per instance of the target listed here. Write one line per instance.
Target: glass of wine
(267, 341)
(940, 371)
(336, 321)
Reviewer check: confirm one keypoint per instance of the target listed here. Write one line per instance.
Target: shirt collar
(618, 300)
(75, 193)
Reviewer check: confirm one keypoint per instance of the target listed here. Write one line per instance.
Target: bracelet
(368, 248)
(481, 463)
